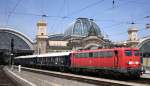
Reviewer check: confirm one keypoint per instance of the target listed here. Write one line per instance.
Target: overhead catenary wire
(12, 11)
(113, 3)
(63, 17)
(59, 14)
(41, 15)
(127, 22)
(122, 33)
(86, 7)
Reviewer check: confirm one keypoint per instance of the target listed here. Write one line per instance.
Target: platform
(36, 79)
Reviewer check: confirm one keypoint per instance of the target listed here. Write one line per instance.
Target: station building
(83, 33)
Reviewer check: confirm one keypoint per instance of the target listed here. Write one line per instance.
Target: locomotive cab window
(136, 53)
(128, 52)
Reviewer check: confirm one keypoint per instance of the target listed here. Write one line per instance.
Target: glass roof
(19, 43)
(81, 27)
(145, 49)
(56, 37)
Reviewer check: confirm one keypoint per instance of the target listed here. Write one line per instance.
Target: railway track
(93, 80)
(4, 79)
(141, 80)
(134, 80)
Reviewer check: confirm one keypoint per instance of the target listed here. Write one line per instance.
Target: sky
(114, 19)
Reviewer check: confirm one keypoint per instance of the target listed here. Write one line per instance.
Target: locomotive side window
(136, 53)
(109, 54)
(86, 54)
(80, 55)
(128, 52)
(77, 55)
(100, 54)
(95, 54)
(103, 54)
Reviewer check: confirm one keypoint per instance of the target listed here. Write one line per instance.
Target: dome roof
(82, 28)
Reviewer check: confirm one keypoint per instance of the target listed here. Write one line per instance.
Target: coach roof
(45, 55)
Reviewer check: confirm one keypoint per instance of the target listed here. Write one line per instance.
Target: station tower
(132, 35)
(41, 37)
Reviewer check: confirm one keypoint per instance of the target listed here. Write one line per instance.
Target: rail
(82, 78)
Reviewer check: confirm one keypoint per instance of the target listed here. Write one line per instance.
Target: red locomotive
(118, 61)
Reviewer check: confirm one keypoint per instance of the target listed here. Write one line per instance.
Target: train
(114, 61)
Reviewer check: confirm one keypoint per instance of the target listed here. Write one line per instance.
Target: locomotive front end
(133, 62)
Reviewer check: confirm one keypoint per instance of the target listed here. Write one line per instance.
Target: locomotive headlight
(136, 62)
(130, 62)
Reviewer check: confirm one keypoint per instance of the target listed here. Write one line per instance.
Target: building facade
(84, 33)
(132, 41)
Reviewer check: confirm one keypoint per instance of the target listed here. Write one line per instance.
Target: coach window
(128, 52)
(46, 60)
(50, 59)
(38, 60)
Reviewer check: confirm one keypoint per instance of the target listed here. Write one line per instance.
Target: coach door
(116, 58)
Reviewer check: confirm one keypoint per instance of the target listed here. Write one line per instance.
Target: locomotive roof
(45, 55)
(107, 49)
